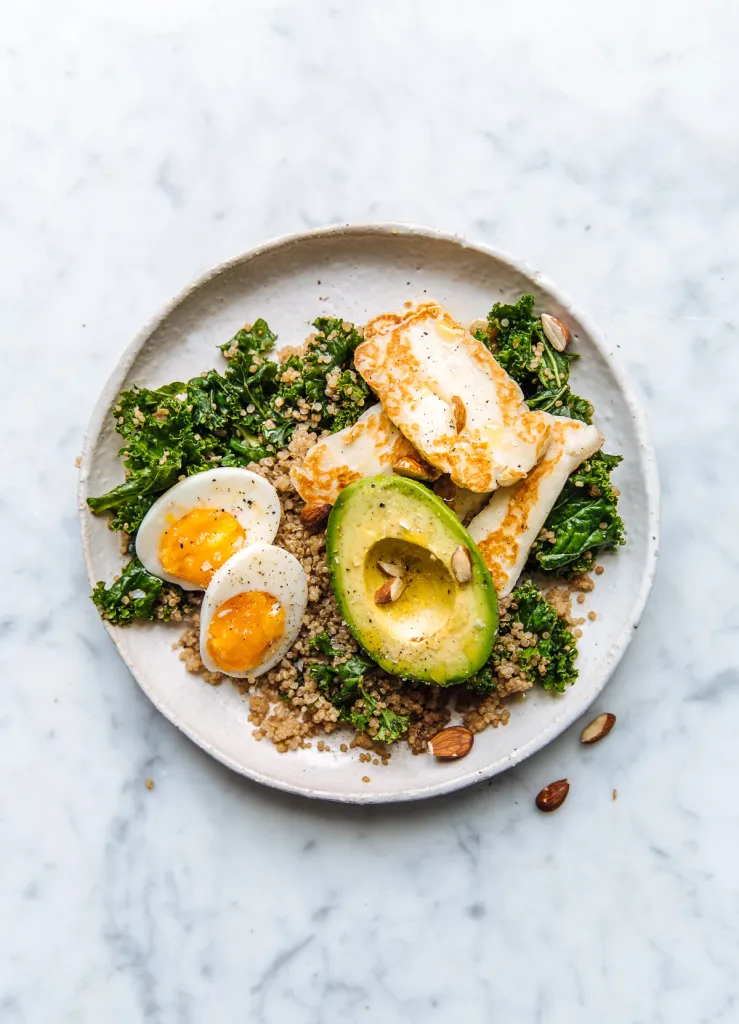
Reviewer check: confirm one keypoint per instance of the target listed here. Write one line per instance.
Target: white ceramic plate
(356, 272)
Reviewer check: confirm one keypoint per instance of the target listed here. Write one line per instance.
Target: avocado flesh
(438, 631)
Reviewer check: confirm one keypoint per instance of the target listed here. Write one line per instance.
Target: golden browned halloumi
(372, 445)
(450, 398)
(505, 530)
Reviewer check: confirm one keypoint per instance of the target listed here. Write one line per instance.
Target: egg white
(250, 499)
(258, 567)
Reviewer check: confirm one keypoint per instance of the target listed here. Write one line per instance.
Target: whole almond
(553, 795)
(460, 413)
(598, 728)
(315, 514)
(555, 331)
(389, 591)
(451, 743)
(462, 565)
(416, 469)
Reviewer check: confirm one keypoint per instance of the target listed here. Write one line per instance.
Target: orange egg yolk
(243, 629)
(193, 547)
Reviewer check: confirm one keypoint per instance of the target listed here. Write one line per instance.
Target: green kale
(584, 520)
(550, 661)
(515, 337)
(484, 681)
(181, 429)
(342, 684)
(391, 727)
(546, 399)
(328, 354)
(134, 595)
(322, 642)
(231, 419)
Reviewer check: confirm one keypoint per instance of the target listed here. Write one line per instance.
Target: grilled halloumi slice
(450, 398)
(505, 530)
(370, 446)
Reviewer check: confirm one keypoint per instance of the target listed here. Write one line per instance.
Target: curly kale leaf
(232, 418)
(181, 429)
(584, 520)
(549, 661)
(515, 337)
(560, 401)
(134, 595)
(322, 642)
(342, 684)
(484, 681)
(391, 726)
(256, 340)
(329, 354)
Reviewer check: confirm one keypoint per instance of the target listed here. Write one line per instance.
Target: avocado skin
(450, 659)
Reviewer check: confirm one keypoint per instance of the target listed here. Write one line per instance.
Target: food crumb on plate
(149, 783)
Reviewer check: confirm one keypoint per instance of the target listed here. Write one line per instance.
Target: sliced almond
(460, 413)
(553, 795)
(598, 728)
(555, 331)
(389, 591)
(462, 565)
(315, 514)
(416, 469)
(391, 569)
(451, 743)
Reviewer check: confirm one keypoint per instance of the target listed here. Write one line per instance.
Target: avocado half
(438, 631)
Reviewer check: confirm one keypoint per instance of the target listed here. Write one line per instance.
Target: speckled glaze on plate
(356, 272)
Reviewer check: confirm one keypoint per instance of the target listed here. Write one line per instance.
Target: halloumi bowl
(446, 431)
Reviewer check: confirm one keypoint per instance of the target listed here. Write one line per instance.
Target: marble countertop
(142, 145)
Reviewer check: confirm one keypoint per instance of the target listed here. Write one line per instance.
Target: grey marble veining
(143, 143)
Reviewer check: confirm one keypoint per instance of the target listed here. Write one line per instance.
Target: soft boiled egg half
(197, 525)
(252, 611)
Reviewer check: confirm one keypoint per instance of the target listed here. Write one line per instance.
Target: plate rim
(648, 465)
